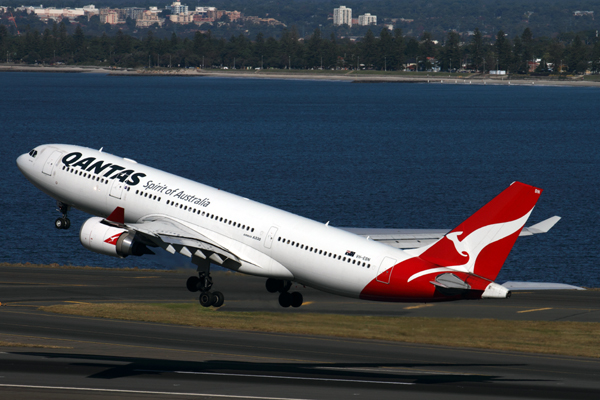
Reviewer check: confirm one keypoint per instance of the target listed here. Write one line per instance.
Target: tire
(67, 223)
(273, 285)
(219, 299)
(285, 299)
(206, 299)
(297, 299)
(59, 223)
(192, 283)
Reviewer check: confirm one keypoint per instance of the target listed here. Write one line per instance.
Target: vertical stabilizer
(481, 244)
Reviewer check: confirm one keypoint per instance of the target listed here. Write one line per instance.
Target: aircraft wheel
(67, 223)
(285, 299)
(219, 299)
(274, 285)
(59, 223)
(206, 299)
(192, 283)
(297, 299)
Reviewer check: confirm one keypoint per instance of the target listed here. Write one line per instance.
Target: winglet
(118, 216)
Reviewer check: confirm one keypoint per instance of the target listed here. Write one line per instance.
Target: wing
(414, 238)
(177, 237)
(202, 245)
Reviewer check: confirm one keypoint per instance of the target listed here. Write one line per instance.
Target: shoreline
(350, 76)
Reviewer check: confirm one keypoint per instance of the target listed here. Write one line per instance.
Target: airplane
(137, 208)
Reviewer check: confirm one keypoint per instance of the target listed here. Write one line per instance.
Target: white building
(58, 14)
(342, 16)
(176, 8)
(367, 19)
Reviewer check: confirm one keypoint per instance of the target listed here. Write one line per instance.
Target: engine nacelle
(110, 240)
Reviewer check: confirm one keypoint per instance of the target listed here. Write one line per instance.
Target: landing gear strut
(203, 283)
(63, 222)
(286, 298)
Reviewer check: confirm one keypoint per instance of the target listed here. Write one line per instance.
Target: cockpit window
(33, 153)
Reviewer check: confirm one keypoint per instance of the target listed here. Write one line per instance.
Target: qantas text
(111, 171)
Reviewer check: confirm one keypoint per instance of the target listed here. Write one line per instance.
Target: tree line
(390, 50)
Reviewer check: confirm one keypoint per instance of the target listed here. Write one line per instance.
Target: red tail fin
(481, 244)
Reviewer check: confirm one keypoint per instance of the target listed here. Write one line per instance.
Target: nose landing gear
(286, 299)
(62, 222)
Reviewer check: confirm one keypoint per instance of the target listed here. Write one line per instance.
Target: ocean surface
(383, 155)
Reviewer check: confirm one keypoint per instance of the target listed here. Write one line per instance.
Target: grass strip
(565, 338)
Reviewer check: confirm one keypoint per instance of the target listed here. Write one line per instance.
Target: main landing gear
(286, 298)
(203, 283)
(63, 222)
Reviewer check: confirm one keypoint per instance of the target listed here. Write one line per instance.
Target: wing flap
(173, 236)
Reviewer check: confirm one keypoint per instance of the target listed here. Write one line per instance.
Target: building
(111, 17)
(266, 21)
(176, 8)
(342, 15)
(181, 18)
(367, 19)
(57, 14)
(233, 15)
(132, 12)
(149, 18)
(582, 13)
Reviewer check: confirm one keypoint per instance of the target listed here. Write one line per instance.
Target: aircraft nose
(22, 162)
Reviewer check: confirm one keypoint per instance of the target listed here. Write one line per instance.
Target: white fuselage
(274, 243)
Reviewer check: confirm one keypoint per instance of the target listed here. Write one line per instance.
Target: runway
(99, 358)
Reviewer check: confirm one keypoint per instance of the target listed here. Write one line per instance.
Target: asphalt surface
(95, 358)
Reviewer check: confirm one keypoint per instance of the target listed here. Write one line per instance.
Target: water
(362, 155)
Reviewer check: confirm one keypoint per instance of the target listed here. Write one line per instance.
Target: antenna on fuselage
(101, 149)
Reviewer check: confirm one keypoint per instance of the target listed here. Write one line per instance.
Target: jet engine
(110, 240)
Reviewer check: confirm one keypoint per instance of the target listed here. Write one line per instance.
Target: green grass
(566, 338)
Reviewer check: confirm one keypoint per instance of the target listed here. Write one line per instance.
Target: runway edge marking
(146, 392)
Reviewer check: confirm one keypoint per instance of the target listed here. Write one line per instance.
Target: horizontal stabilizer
(540, 227)
(414, 238)
(517, 286)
